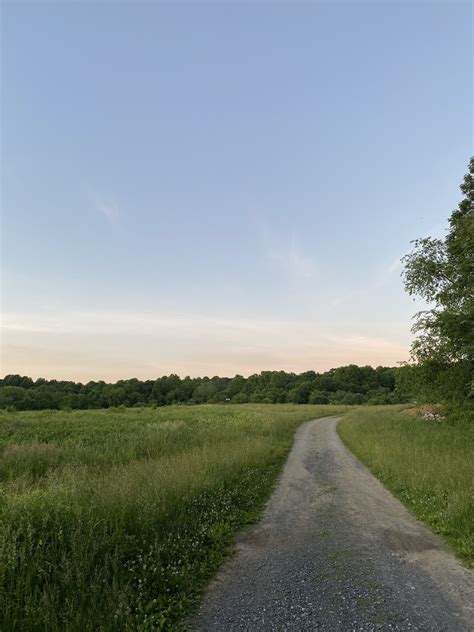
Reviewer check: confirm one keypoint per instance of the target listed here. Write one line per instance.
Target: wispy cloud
(296, 263)
(394, 266)
(287, 255)
(363, 293)
(108, 208)
(347, 297)
(388, 271)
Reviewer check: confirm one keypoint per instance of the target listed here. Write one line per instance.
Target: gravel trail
(336, 551)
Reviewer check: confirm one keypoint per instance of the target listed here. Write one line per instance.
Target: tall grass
(114, 520)
(428, 465)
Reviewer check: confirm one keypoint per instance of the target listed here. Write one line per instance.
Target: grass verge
(115, 519)
(429, 466)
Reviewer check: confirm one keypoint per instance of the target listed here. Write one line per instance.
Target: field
(115, 519)
(429, 466)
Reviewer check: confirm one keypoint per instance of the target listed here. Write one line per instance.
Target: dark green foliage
(441, 271)
(344, 385)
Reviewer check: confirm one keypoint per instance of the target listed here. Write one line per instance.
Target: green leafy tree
(17, 380)
(299, 394)
(12, 397)
(318, 397)
(441, 271)
(240, 398)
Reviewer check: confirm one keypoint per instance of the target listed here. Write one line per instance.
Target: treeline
(344, 385)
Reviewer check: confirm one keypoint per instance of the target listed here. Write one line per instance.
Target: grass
(429, 466)
(115, 519)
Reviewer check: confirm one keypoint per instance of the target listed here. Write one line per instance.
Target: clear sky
(221, 188)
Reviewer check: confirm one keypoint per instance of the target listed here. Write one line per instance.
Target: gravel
(336, 551)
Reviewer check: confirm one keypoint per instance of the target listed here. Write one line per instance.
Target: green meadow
(429, 466)
(115, 519)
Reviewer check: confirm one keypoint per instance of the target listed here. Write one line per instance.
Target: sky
(223, 187)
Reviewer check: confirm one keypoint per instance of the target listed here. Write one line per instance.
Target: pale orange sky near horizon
(106, 346)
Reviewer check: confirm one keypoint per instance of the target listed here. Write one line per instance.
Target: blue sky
(221, 188)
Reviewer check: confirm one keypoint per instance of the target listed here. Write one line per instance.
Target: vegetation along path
(336, 551)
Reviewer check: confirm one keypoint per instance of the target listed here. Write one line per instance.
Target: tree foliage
(441, 271)
(344, 385)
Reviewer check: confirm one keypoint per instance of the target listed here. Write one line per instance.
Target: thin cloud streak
(108, 209)
(287, 256)
(388, 272)
(297, 264)
(394, 266)
(364, 293)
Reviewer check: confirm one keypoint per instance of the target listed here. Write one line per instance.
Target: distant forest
(344, 385)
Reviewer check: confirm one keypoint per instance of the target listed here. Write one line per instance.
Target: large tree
(441, 271)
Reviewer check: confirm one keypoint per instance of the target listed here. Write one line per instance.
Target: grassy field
(115, 519)
(429, 466)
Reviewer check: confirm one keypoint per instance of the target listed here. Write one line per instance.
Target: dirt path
(336, 551)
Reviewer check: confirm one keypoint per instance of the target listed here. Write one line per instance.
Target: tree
(12, 397)
(204, 392)
(17, 380)
(318, 397)
(236, 386)
(441, 271)
(299, 394)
